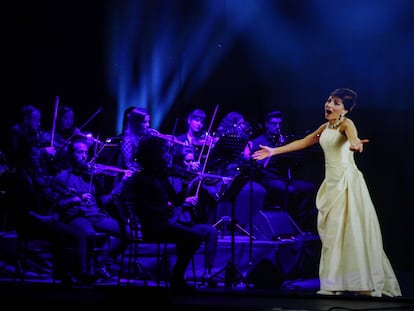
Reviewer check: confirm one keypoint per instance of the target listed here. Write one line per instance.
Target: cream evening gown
(352, 257)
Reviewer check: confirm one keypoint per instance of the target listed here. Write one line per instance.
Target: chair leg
(22, 253)
(194, 271)
(20, 262)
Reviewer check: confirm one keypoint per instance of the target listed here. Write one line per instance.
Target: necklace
(336, 124)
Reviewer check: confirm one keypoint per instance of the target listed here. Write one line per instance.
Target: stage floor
(274, 275)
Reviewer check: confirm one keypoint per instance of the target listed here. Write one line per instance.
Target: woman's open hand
(262, 153)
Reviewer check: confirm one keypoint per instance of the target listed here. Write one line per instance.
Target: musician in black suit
(31, 195)
(296, 196)
(161, 211)
(84, 206)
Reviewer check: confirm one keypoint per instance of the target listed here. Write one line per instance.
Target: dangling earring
(340, 117)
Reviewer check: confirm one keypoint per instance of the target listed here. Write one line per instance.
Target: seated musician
(187, 178)
(160, 210)
(228, 155)
(84, 205)
(294, 195)
(135, 125)
(60, 137)
(196, 136)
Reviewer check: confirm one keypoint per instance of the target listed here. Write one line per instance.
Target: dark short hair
(198, 113)
(27, 112)
(150, 154)
(77, 138)
(273, 114)
(137, 114)
(347, 96)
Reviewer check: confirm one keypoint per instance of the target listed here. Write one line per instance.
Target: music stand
(108, 153)
(229, 195)
(225, 151)
(232, 271)
(288, 161)
(228, 147)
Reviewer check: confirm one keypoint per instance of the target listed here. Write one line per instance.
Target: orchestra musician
(196, 136)
(85, 207)
(23, 143)
(65, 128)
(187, 178)
(31, 195)
(232, 133)
(161, 210)
(136, 124)
(60, 136)
(295, 196)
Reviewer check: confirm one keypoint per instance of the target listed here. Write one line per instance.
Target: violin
(204, 139)
(96, 168)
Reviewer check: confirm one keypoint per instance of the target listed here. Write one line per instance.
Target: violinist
(65, 128)
(85, 206)
(187, 179)
(136, 124)
(31, 195)
(196, 135)
(159, 209)
(64, 131)
(23, 141)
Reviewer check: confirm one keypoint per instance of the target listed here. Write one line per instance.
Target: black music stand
(230, 196)
(288, 161)
(108, 153)
(225, 151)
(232, 272)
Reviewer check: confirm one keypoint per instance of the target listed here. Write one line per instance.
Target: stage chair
(28, 246)
(139, 248)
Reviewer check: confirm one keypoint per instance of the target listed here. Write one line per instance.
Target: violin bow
(208, 151)
(87, 121)
(90, 119)
(54, 121)
(95, 150)
(208, 134)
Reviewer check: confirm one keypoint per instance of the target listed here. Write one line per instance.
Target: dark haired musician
(160, 209)
(83, 205)
(294, 195)
(195, 134)
(32, 195)
(59, 137)
(197, 137)
(136, 124)
(23, 150)
(23, 142)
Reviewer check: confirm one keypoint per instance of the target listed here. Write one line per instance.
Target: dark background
(260, 55)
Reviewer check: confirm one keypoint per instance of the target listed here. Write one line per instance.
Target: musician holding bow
(196, 136)
(59, 136)
(85, 207)
(23, 141)
(135, 125)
